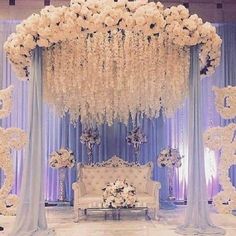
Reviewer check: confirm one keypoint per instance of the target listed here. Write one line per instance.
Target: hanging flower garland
(105, 60)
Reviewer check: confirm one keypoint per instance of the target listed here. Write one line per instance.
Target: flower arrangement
(58, 24)
(169, 157)
(119, 194)
(119, 57)
(89, 138)
(63, 158)
(136, 137)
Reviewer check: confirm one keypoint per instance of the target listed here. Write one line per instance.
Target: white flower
(170, 158)
(63, 158)
(119, 194)
(11, 138)
(155, 26)
(222, 138)
(6, 101)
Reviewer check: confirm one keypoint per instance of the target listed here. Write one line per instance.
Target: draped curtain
(161, 132)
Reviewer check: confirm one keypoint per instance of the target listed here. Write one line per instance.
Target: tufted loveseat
(91, 179)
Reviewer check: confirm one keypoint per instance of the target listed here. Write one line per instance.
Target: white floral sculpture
(225, 101)
(11, 138)
(106, 60)
(224, 139)
(6, 101)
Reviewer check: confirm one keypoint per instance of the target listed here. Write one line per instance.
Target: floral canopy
(106, 60)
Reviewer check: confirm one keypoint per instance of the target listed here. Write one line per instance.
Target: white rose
(140, 20)
(109, 21)
(43, 42)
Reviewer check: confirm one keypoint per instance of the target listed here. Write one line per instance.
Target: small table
(117, 212)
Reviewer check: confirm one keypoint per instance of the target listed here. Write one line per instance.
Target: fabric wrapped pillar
(30, 218)
(197, 220)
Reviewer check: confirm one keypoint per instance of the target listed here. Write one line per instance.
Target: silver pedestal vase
(171, 173)
(62, 191)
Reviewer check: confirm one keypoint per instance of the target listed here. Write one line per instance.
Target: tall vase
(168, 203)
(90, 153)
(62, 192)
(136, 152)
(171, 172)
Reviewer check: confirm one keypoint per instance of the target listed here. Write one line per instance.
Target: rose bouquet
(90, 137)
(169, 157)
(63, 158)
(136, 138)
(119, 194)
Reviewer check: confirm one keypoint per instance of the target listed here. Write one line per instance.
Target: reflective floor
(61, 219)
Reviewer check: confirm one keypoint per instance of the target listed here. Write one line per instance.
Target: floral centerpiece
(89, 138)
(170, 158)
(62, 160)
(136, 137)
(119, 194)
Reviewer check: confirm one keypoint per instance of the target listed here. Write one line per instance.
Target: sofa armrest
(153, 188)
(79, 189)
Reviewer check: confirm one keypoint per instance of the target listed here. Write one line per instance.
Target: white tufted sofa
(93, 178)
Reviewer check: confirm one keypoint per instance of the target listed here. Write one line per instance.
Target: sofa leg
(79, 214)
(156, 216)
(76, 213)
(147, 212)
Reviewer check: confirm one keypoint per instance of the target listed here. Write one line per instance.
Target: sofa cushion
(96, 178)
